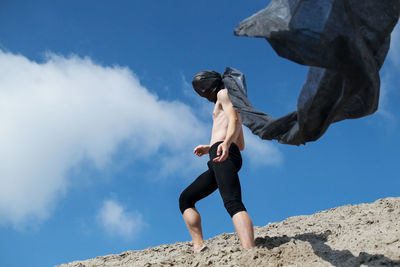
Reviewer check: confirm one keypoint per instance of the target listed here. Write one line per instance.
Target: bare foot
(246, 249)
(198, 249)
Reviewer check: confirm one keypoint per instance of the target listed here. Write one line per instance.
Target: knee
(234, 206)
(185, 202)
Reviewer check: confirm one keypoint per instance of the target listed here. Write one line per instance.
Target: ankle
(248, 246)
(198, 246)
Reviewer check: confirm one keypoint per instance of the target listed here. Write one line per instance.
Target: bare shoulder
(226, 104)
(223, 96)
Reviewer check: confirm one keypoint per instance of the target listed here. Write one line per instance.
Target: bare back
(220, 126)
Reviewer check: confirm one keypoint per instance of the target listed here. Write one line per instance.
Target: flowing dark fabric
(344, 41)
(261, 124)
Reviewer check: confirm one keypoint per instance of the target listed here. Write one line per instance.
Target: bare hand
(222, 152)
(200, 150)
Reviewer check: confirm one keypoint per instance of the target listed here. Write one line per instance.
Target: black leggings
(221, 175)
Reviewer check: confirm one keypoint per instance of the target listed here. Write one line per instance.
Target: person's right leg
(193, 222)
(203, 186)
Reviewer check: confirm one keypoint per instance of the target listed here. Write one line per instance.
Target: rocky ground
(352, 235)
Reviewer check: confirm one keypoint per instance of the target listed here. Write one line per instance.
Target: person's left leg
(193, 222)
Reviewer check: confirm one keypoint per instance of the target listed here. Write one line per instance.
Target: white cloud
(261, 152)
(59, 113)
(116, 221)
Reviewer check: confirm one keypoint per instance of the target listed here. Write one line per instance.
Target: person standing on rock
(225, 161)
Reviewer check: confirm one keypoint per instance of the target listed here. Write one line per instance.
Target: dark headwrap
(207, 83)
(284, 129)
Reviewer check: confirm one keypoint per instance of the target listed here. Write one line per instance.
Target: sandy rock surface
(352, 235)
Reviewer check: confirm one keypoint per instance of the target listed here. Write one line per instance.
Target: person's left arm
(234, 125)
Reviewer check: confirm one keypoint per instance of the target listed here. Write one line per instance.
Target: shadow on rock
(334, 257)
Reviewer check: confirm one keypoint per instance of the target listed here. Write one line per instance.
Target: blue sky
(98, 122)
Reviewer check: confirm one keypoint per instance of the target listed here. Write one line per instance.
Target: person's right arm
(200, 150)
(240, 140)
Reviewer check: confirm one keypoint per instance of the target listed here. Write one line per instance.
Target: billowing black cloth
(261, 124)
(345, 42)
(207, 83)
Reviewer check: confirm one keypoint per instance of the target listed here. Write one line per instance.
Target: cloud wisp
(389, 74)
(59, 113)
(118, 222)
(261, 152)
(394, 53)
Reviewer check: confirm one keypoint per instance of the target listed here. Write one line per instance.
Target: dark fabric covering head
(207, 83)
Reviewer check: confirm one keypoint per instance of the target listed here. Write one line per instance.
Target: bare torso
(220, 126)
